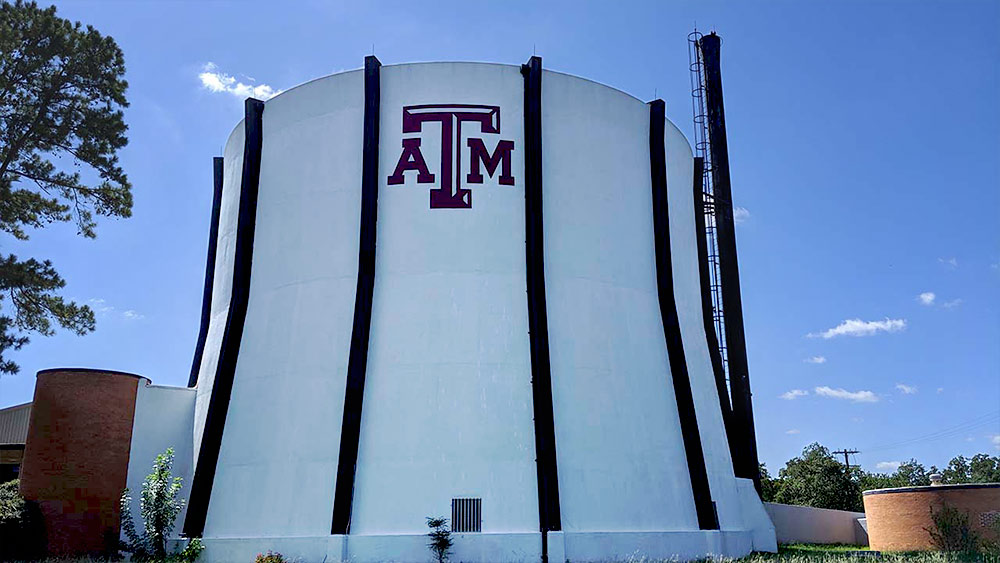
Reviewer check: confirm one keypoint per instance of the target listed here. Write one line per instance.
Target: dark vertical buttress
(218, 406)
(707, 311)
(732, 304)
(671, 326)
(541, 375)
(357, 364)
(206, 298)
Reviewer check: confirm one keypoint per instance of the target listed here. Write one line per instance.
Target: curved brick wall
(897, 518)
(76, 457)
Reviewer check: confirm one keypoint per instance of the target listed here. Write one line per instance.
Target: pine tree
(62, 95)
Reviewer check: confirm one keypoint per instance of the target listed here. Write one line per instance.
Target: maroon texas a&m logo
(449, 193)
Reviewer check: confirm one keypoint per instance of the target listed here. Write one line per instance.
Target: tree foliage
(440, 538)
(159, 505)
(62, 96)
(22, 530)
(817, 479)
(982, 468)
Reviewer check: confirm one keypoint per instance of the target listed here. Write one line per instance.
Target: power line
(960, 428)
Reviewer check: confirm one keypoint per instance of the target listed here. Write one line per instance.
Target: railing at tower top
(701, 148)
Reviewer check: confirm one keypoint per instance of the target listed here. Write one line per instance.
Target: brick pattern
(76, 458)
(897, 521)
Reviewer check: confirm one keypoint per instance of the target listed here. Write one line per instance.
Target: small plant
(11, 503)
(191, 551)
(159, 505)
(270, 557)
(440, 536)
(22, 530)
(990, 543)
(951, 530)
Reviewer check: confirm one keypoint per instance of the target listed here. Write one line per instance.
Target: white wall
(278, 461)
(618, 442)
(448, 402)
(164, 418)
(222, 282)
(687, 295)
(805, 524)
(447, 409)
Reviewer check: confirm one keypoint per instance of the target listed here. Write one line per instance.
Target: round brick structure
(76, 456)
(898, 519)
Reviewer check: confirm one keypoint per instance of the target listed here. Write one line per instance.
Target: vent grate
(466, 515)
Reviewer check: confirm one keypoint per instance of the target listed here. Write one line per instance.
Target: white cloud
(215, 81)
(940, 389)
(793, 431)
(951, 304)
(815, 360)
(906, 389)
(740, 215)
(926, 298)
(102, 308)
(950, 262)
(793, 394)
(857, 419)
(854, 396)
(858, 327)
(995, 439)
(888, 465)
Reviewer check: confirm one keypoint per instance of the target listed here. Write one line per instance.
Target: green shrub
(270, 557)
(990, 543)
(951, 531)
(11, 502)
(22, 530)
(440, 536)
(191, 551)
(159, 505)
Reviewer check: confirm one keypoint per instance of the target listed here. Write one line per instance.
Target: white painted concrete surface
(164, 418)
(448, 402)
(278, 461)
(805, 524)
(222, 281)
(447, 409)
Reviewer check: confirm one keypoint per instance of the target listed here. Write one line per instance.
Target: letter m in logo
(449, 193)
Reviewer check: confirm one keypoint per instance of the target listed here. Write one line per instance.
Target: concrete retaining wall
(805, 524)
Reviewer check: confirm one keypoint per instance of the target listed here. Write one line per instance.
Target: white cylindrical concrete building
(450, 289)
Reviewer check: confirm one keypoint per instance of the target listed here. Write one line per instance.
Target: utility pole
(847, 461)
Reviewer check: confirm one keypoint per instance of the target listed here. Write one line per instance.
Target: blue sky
(864, 149)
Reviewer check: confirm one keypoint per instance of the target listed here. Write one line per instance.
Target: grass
(794, 553)
(839, 553)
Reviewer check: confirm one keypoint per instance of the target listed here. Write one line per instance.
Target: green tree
(912, 474)
(982, 468)
(909, 474)
(159, 505)
(62, 96)
(817, 479)
(769, 486)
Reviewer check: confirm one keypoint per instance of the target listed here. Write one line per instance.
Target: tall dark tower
(710, 118)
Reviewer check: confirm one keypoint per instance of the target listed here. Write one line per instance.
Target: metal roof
(14, 424)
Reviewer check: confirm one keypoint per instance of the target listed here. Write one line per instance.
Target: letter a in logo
(450, 194)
